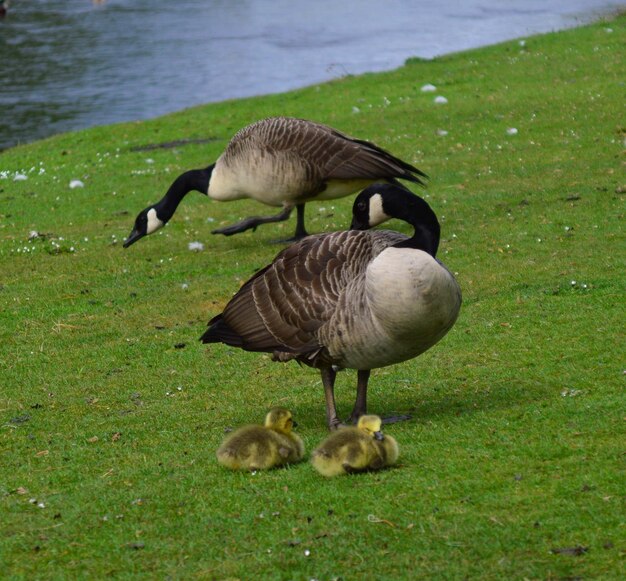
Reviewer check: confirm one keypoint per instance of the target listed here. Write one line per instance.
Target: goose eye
(361, 206)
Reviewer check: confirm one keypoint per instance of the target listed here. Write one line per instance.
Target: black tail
(220, 332)
(410, 172)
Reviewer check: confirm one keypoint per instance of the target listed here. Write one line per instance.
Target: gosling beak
(379, 436)
(133, 237)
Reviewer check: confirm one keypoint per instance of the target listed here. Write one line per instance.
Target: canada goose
(352, 299)
(262, 447)
(351, 450)
(280, 161)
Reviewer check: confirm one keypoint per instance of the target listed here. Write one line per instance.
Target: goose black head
(156, 216)
(381, 202)
(147, 222)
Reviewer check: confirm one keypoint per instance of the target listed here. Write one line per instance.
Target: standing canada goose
(280, 161)
(351, 450)
(262, 447)
(353, 299)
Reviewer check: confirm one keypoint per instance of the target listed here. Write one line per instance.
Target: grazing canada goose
(280, 161)
(356, 299)
(351, 450)
(262, 447)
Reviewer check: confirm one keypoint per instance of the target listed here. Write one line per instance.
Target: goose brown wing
(334, 155)
(327, 153)
(357, 158)
(281, 308)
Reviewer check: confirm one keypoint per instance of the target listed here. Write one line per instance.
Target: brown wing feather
(325, 152)
(282, 307)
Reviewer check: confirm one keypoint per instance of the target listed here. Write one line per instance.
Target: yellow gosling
(258, 447)
(351, 450)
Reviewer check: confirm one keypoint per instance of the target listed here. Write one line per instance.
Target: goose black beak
(358, 225)
(133, 237)
(379, 436)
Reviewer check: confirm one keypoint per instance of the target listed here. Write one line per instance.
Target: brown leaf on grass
(115, 437)
(574, 551)
(42, 453)
(93, 439)
(374, 519)
(21, 490)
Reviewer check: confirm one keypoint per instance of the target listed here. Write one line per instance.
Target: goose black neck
(420, 215)
(195, 180)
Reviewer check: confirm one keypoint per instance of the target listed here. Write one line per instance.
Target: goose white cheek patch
(153, 222)
(376, 212)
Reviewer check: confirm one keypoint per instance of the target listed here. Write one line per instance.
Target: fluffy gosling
(350, 450)
(258, 447)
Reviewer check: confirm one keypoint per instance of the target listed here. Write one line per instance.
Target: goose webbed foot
(334, 426)
(291, 240)
(396, 419)
(252, 223)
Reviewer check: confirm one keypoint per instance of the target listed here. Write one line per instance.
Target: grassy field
(513, 464)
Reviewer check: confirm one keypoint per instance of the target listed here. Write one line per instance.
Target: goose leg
(300, 232)
(360, 404)
(300, 229)
(328, 380)
(252, 222)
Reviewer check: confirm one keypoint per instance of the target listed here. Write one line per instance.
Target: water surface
(73, 64)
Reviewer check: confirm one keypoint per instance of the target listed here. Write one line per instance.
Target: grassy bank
(513, 464)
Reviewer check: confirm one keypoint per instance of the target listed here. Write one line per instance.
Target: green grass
(517, 443)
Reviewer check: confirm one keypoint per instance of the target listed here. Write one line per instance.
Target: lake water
(72, 64)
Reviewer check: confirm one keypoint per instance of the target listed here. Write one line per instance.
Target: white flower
(442, 132)
(440, 100)
(511, 131)
(76, 184)
(356, 110)
(19, 177)
(197, 246)
(428, 88)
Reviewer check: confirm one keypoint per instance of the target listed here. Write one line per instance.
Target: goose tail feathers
(220, 332)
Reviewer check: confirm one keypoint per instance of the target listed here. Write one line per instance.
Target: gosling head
(147, 222)
(280, 420)
(371, 425)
